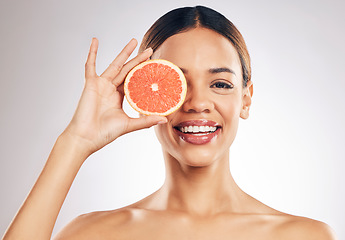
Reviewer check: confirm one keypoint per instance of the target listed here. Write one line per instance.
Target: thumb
(145, 122)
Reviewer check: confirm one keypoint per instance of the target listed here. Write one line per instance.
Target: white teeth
(198, 129)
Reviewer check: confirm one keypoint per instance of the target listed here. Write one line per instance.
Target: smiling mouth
(197, 131)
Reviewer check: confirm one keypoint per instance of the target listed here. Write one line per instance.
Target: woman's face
(203, 129)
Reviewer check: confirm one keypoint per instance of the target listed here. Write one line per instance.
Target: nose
(197, 100)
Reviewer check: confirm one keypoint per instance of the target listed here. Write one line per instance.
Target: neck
(203, 190)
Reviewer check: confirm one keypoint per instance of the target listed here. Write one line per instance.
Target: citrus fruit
(155, 87)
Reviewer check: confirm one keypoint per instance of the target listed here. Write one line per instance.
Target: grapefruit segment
(155, 87)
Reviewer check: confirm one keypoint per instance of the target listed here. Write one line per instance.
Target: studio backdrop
(289, 154)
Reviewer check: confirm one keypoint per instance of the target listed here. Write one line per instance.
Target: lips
(197, 131)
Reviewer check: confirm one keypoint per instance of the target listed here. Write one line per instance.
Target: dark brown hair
(182, 19)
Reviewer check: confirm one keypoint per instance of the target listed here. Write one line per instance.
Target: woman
(199, 198)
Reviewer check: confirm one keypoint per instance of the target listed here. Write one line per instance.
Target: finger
(90, 65)
(131, 64)
(145, 122)
(116, 66)
(120, 89)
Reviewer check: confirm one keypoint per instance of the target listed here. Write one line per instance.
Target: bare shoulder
(294, 227)
(95, 224)
(287, 226)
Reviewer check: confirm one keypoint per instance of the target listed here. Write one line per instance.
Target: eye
(222, 85)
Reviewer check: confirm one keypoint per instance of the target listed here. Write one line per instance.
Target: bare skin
(199, 198)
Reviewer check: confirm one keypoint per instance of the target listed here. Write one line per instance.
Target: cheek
(164, 131)
(230, 113)
(230, 107)
(162, 134)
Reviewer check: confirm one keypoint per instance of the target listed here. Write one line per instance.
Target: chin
(200, 156)
(197, 161)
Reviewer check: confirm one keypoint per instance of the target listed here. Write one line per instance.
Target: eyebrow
(215, 70)
(221, 69)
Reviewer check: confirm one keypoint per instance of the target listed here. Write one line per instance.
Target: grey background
(289, 154)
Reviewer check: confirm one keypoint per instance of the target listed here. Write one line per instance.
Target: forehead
(199, 48)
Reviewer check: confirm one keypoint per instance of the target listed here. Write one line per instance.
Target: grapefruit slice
(155, 87)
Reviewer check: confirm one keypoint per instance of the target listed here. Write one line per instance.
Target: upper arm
(321, 231)
(75, 229)
(308, 229)
(94, 225)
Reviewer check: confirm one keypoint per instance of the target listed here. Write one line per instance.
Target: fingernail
(148, 49)
(162, 121)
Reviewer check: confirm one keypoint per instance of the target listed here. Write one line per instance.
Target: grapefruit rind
(158, 61)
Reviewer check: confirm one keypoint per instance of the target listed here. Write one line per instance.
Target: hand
(99, 118)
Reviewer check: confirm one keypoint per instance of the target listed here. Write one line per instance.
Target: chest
(185, 229)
